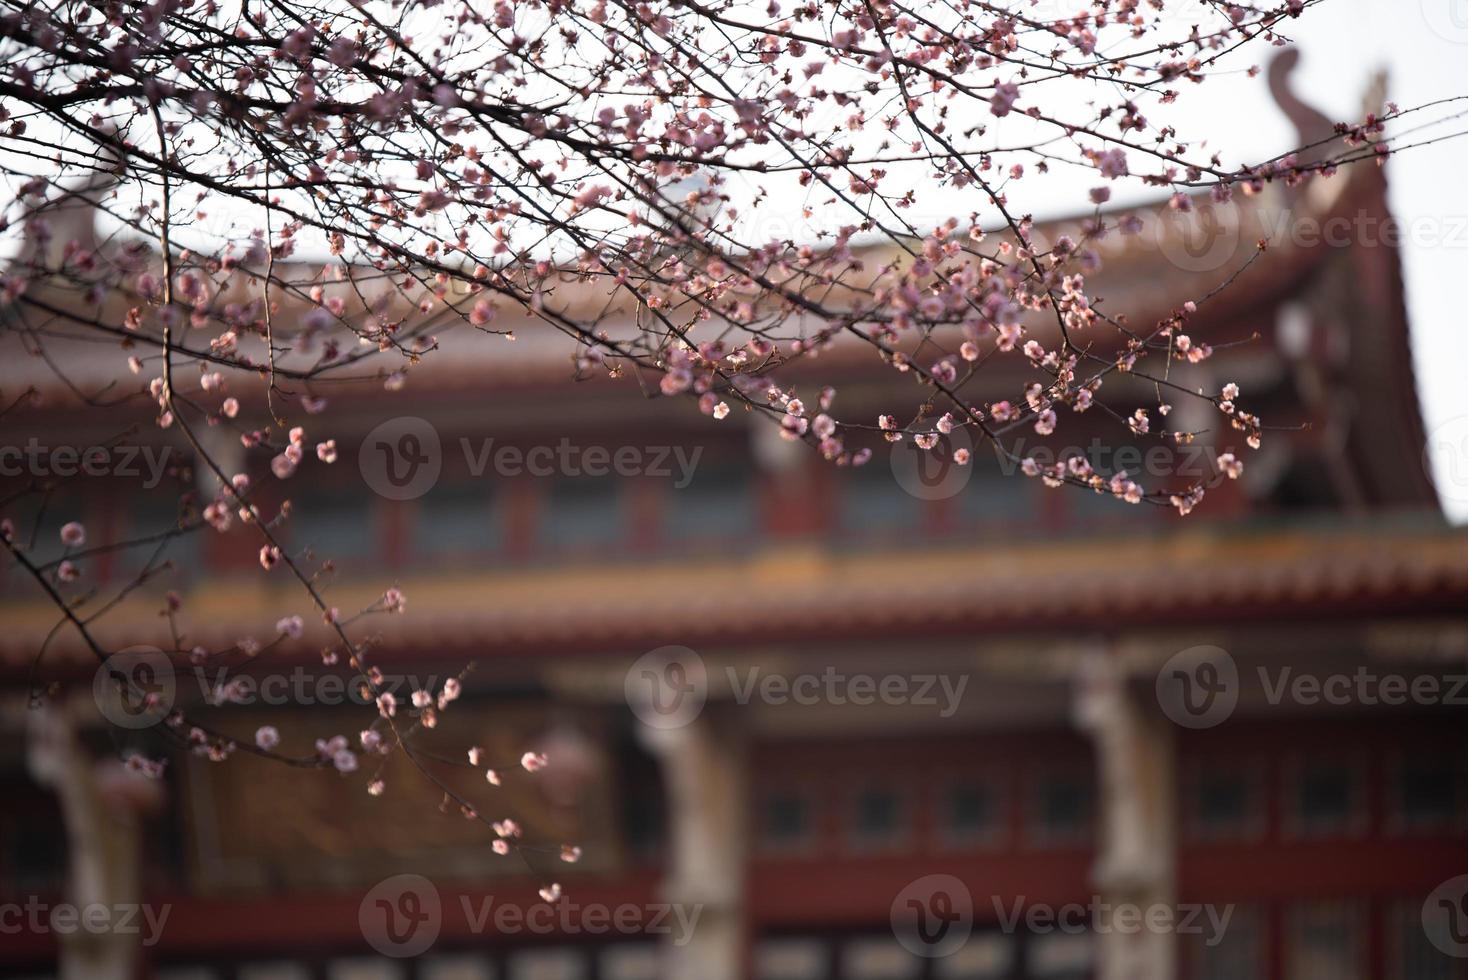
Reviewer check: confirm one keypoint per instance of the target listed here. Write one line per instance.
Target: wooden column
(1136, 856)
(704, 771)
(100, 806)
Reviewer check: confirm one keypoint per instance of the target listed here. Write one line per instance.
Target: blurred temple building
(851, 716)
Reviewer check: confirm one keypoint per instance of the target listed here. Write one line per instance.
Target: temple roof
(1332, 342)
(1201, 577)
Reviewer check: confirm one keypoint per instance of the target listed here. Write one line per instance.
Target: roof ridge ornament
(1313, 128)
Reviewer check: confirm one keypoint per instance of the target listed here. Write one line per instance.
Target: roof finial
(1311, 125)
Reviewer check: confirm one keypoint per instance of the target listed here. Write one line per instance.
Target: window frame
(1034, 833)
(1397, 823)
(765, 845)
(1358, 814)
(994, 837)
(905, 830)
(1255, 821)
